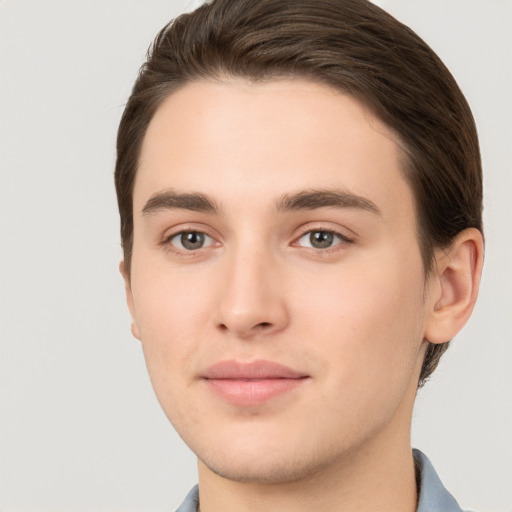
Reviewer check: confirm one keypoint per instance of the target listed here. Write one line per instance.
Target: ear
(454, 286)
(129, 298)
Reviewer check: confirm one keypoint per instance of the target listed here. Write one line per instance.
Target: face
(276, 282)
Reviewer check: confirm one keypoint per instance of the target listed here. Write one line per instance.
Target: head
(344, 44)
(372, 66)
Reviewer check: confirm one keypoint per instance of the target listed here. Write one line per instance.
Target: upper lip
(254, 370)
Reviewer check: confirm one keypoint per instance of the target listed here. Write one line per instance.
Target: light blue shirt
(433, 496)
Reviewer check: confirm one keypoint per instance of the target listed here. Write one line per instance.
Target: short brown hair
(351, 45)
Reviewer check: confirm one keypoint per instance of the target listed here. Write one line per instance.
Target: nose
(252, 300)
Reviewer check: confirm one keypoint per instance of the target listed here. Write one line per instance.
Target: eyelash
(167, 241)
(343, 239)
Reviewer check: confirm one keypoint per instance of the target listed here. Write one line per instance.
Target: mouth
(254, 383)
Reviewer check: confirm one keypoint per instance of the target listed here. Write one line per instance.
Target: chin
(260, 463)
(262, 472)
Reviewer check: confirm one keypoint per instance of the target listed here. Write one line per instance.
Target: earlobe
(129, 298)
(457, 279)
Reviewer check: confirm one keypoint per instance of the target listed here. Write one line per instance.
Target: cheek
(167, 300)
(371, 322)
(171, 313)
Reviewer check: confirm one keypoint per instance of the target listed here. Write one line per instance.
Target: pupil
(321, 239)
(192, 240)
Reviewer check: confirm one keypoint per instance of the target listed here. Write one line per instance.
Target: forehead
(254, 141)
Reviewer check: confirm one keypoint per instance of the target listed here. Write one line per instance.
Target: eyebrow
(314, 199)
(305, 200)
(171, 200)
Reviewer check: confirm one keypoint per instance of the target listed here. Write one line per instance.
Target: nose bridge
(251, 300)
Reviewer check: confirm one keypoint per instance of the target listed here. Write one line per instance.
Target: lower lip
(252, 392)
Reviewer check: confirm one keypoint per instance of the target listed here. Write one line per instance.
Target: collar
(433, 496)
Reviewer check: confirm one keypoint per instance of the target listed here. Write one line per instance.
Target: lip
(251, 383)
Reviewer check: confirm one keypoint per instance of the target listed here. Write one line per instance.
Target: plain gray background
(80, 427)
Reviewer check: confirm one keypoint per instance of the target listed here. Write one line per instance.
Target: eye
(321, 239)
(190, 240)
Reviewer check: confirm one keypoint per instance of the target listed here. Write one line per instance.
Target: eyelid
(171, 233)
(309, 228)
(337, 249)
(187, 227)
(213, 240)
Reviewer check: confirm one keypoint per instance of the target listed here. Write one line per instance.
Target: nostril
(264, 324)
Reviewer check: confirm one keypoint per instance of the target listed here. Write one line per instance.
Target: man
(300, 193)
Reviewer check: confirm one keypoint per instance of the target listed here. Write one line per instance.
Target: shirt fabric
(433, 495)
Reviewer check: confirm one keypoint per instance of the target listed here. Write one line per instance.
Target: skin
(353, 316)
